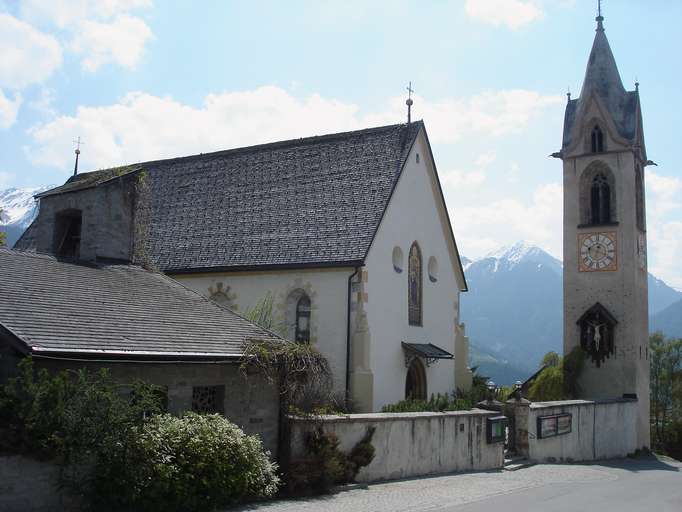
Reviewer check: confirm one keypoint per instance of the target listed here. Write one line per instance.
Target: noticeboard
(554, 425)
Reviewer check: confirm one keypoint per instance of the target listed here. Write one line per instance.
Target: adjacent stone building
(348, 234)
(142, 326)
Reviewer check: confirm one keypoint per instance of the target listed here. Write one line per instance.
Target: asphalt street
(626, 485)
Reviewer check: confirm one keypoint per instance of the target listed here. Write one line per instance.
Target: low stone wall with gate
(575, 430)
(411, 444)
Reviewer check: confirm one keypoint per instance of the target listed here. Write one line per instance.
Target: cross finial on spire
(409, 103)
(599, 17)
(78, 143)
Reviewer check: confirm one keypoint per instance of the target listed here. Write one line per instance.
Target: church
(347, 236)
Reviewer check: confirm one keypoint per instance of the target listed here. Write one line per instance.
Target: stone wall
(599, 430)
(251, 403)
(410, 444)
(27, 485)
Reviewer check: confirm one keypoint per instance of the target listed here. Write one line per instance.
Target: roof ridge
(267, 145)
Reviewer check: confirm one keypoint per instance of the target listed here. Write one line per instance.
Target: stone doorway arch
(415, 382)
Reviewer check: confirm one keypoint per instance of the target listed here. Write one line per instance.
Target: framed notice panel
(497, 429)
(554, 425)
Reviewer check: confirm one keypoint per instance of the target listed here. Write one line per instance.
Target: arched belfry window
(414, 285)
(597, 140)
(600, 200)
(67, 233)
(302, 333)
(639, 199)
(597, 195)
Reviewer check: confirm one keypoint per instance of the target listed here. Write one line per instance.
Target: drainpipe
(350, 284)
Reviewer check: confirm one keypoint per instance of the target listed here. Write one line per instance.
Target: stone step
(517, 463)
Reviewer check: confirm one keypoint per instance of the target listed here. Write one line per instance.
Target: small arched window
(302, 333)
(600, 200)
(597, 140)
(414, 285)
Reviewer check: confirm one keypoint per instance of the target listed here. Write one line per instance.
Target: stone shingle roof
(60, 308)
(306, 202)
(312, 201)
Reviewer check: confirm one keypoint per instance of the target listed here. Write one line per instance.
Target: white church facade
(348, 235)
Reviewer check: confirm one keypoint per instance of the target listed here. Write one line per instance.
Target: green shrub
(325, 465)
(437, 403)
(195, 462)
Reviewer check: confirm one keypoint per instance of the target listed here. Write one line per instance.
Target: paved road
(643, 485)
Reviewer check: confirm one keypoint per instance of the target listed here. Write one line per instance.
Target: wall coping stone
(392, 416)
(568, 403)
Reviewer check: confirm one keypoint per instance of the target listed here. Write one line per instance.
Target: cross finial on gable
(409, 103)
(599, 17)
(78, 143)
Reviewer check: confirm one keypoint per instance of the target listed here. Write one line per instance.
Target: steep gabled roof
(602, 80)
(306, 202)
(57, 308)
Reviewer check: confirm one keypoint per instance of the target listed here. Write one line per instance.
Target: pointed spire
(601, 75)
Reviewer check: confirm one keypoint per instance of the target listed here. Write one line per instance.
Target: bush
(326, 465)
(195, 462)
(437, 403)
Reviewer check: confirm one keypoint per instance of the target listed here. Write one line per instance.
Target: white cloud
(456, 179)
(665, 247)
(121, 41)
(43, 102)
(492, 113)
(28, 55)
(8, 109)
(665, 192)
(507, 221)
(66, 13)
(512, 13)
(6, 179)
(142, 126)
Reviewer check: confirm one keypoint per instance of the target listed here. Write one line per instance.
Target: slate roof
(316, 201)
(59, 308)
(603, 80)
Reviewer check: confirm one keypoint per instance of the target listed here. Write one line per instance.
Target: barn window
(208, 399)
(67, 233)
(414, 289)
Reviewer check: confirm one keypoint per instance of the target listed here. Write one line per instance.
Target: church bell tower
(605, 267)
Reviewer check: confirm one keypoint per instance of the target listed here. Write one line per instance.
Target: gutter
(350, 284)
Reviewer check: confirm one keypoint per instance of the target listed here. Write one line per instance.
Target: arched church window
(597, 140)
(600, 200)
(639, 198)
(303, 319)
(414, 285)
(415, 382)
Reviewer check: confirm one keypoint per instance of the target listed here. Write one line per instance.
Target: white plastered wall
(415, 213)
(327, 289)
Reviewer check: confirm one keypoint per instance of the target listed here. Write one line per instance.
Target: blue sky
(143, 79)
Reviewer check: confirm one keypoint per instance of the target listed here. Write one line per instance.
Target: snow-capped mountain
(514, 309)
(18, 209)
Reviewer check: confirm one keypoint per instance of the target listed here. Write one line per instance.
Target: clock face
(597, 251)
(641, 250)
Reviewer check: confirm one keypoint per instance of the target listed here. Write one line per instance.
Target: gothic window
(597, 140)
(597, 328)
(67, 233)
(415, 383)
(597, 195)
(414, 289)
(639, 199)
(208, 399)
(303, 319)
(600, 200)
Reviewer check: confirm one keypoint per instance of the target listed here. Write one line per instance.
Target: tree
(551, 359)
(666, 393)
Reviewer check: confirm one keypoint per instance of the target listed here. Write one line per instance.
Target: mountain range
(513, 310)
